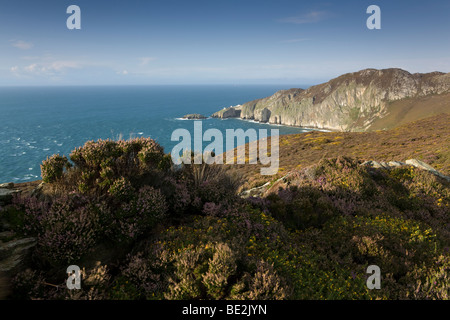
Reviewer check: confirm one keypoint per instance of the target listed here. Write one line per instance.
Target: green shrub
(104, 163)
(53, 168)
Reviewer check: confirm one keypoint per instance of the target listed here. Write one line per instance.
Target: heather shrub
(432, 282)
(301, 208)
(345, 173)
(212, 272)
(221, 267)
(312, 237)
(143, 276)
(106, 164)
(121, 189)
(28, 284)
(264, 285)
(212, 209)
(190, 265)
(396, 245)
(68, 230)
(137, 216)
(24, 214)
(207, 258)
(95, 283)
(399, 222)
(178, 194)
(53, 167)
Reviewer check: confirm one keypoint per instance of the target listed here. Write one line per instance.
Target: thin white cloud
(145, 60)
(123, 72)
(310, 17)
(45, 69)
(21, 44)
(61, 65)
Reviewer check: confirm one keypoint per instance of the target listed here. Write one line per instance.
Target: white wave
(281, 125)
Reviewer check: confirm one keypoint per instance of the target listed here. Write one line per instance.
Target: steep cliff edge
(353, 102)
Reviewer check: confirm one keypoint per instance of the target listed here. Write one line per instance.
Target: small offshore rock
(194, 116)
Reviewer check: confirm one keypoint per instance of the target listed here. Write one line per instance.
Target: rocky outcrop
(269, 187)
(412, 162)
(13, 251)
(424, 166)
(255, 192)
(14, 254)
(351, 102)
(194, 116)
(7, 191)
(230, 112)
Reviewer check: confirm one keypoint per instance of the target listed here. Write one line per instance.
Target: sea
(37, 122)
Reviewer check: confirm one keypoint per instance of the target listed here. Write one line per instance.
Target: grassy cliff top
(427, 140)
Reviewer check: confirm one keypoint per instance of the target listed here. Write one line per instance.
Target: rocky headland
(366, 100)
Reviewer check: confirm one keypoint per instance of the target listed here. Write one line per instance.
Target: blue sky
(216, 42)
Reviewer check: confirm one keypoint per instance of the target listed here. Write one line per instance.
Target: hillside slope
(427, 139)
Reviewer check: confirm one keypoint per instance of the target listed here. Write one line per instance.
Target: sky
(216, 42)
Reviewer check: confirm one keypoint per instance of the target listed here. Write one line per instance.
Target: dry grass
(412, 109)
(427, 140)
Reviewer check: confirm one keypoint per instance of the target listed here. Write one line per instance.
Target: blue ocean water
(36, 122)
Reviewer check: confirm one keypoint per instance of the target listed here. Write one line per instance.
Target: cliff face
(351, 102)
